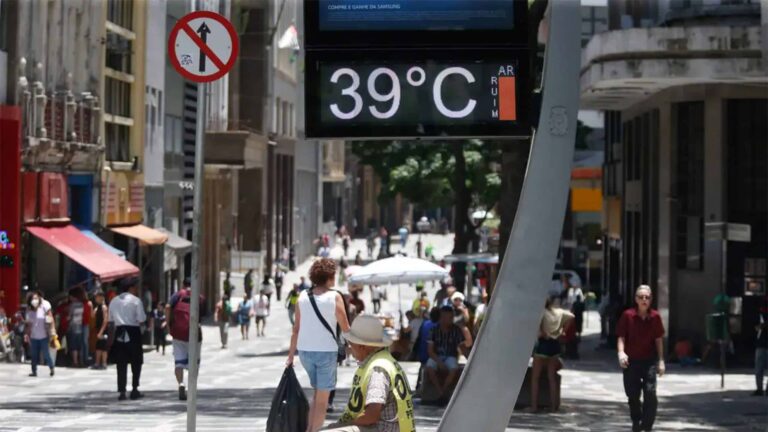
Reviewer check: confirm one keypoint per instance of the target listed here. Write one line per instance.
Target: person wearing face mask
(38, 330)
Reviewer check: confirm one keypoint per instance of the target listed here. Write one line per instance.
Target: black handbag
(342, 353)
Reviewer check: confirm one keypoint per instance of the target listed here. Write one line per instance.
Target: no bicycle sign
(203, 46)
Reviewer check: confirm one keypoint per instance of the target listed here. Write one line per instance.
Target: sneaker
(135, 394)
(33, 374)
(758, 393)
(182, 393)
(330, 409)
(122, 396)
(52, 371)
(636, 427)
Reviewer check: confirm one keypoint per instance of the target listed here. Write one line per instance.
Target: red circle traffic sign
(187, 63)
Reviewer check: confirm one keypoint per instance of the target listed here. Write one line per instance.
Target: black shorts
(101, 344)
(261, 318)
(546, 347)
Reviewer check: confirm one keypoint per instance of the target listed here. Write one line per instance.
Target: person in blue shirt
(244, 314)
(421, 343)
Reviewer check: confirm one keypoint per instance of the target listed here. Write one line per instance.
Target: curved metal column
(499, 361)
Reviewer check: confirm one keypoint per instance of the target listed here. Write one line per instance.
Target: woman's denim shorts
(321, 368)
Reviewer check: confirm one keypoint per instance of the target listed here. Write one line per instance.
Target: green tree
(460, 173)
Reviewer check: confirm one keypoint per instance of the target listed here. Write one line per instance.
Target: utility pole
(197, 239)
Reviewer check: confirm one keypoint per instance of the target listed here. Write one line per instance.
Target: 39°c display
(417, 98)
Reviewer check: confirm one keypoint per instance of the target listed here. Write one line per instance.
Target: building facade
(685, 149)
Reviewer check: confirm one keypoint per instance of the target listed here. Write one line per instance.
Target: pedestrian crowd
(330, 327)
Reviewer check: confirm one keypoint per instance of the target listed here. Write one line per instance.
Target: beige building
(685, 90)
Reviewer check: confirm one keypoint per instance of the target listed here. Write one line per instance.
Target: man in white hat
(380, 399)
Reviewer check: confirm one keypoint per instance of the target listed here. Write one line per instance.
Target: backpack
(180, 318)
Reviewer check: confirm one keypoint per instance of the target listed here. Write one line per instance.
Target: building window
(118, 84)
(747, 172)
(689, 184)
(292, 122)
(119, 139)
(117, 97)
(120, 12)
(594, 20)
(3, 24)
(119, 53)
(173, 134)
(285, 119)
(278, 116)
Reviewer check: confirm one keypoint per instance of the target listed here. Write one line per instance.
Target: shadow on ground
(684, 413)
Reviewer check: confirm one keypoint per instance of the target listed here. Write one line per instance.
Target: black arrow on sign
(203, 31)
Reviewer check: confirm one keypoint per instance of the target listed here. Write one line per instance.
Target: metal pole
(723, 347)
(724, 284)
(197, 237)
(499, 358)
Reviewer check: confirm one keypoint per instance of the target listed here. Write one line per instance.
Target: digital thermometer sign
(417, 98)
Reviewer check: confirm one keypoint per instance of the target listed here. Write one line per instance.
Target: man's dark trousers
(640, 377)
(122, 375)
(125, 353)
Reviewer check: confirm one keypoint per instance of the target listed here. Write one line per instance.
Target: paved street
(236, 387)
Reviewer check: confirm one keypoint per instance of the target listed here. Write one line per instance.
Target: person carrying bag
(319, 310)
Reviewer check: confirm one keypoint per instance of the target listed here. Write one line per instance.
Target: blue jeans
(321, 368)
(84, 350)
(38, 346)
(451, 362)
(761, 366)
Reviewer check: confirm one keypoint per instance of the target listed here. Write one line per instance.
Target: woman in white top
(38, 328)
(318, 347)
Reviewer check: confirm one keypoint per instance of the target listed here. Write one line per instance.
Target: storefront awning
(178, 244)
(92, 235)
(85, 251)
(145, 234)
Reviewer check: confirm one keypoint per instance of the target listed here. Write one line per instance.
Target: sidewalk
(236, 386)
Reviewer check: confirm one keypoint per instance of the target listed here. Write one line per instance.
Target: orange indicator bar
(507, 100)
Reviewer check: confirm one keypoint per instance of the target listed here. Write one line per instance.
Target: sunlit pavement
(237, 384)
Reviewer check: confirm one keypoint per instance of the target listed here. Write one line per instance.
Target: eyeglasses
(643, 297)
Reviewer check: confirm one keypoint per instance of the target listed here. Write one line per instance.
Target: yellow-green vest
(398, 386)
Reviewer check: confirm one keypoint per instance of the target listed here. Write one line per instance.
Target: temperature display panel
(437, 97)
(398, 15)
(409, 23)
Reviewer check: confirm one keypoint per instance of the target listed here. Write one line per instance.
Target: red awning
(84, 251)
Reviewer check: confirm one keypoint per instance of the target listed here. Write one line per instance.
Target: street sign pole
(212, 40)
(197, 238)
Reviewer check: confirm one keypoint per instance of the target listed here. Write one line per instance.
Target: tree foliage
(424, 172)
(459, 174)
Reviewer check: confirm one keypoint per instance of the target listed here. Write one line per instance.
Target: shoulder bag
(342, 345)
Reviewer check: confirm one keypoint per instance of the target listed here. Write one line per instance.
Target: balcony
(236, 149)
(621, 68)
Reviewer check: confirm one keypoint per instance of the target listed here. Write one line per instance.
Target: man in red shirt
(641, 355)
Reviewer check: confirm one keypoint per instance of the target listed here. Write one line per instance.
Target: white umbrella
(398, 270)
(352, 270)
